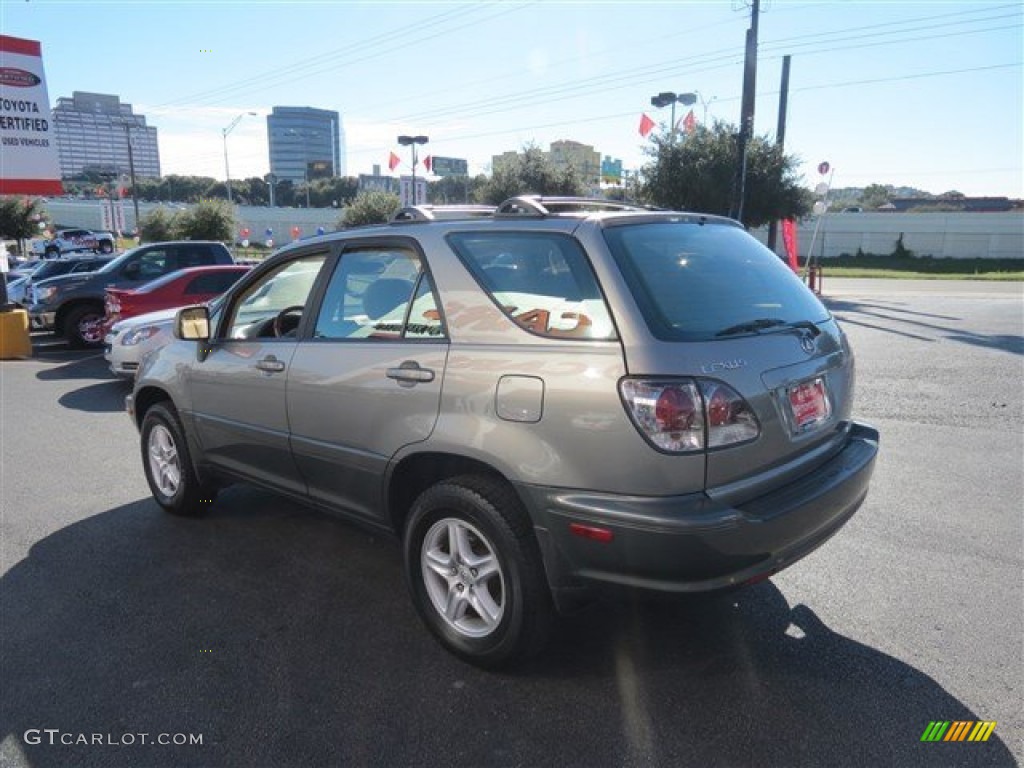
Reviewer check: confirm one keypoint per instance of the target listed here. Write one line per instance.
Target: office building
(92, 132)
(582, 157)
(305, 143)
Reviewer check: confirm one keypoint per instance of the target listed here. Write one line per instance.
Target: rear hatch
(727, 328)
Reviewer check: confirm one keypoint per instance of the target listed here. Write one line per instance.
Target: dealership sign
(28, 146)
(449, 166)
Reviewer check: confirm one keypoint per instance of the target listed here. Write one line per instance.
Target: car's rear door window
(699, 281)
(540, 280)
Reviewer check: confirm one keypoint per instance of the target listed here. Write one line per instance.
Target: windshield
(694, 282)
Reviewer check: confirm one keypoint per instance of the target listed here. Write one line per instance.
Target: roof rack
(413, 213)
(540, 207)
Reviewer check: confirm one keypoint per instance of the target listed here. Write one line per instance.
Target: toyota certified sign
(29, 164)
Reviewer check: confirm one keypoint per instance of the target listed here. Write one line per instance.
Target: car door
(238, 390)
(367, 379)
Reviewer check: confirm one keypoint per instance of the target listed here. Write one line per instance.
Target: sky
(921, 94)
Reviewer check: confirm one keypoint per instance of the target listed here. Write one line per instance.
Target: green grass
(923, 268)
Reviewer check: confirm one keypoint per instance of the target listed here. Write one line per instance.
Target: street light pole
(704, 103)
(412, 141)
(665, 98)
(226, 131)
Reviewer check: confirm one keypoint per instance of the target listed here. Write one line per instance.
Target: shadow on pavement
(287, 638)
(75, 364)
(866, 314)
(105, 397)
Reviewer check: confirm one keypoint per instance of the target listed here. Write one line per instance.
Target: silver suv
(558, 395)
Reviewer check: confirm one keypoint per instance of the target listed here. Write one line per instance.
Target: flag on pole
(646, 125)
(789, 239)
(426, 163)
(393, 161)
(690, 122)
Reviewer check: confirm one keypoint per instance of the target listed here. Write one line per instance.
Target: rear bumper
(692, 543)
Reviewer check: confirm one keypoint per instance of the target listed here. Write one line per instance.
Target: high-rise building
(305, 143)
(93, 130)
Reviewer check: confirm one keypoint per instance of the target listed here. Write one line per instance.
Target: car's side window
(150, 264)
(272, 307)
(541, 280)
(379, 293)
(213, 282)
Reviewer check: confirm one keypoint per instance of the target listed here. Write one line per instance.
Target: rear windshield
(694, 281)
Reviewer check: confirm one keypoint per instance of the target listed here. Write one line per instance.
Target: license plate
(808, 404)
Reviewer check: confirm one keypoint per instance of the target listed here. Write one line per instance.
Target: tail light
(688, 415)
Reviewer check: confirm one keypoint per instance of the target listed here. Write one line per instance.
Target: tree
(19, 218)
(530, 173)
(695, 172)
(208, 220)
(371, 207)
(875, 195)
(157, 226)
(451, 190)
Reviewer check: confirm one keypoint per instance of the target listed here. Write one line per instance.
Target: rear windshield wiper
(764, 323)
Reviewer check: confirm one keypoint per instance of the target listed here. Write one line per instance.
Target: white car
(130, 340)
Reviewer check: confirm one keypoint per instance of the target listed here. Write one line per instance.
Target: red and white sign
(29, 164)
(809, 404)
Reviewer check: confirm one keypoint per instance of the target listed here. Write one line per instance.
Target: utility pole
(131, 168)
(746, 111)
(780, 137)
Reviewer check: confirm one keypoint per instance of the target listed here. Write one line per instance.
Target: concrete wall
(940, 235)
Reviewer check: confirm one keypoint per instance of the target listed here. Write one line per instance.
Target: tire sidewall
(456, 502)
(71, 327)
(159, 415)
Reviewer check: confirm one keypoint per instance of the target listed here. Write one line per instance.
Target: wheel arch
(413, 474)
(69, 306)
(146, 398)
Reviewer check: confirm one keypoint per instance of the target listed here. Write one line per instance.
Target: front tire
(83, 327)
(475, 573)
(168, 464)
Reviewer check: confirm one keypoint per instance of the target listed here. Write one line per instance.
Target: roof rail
(538, 206)
(414, 213)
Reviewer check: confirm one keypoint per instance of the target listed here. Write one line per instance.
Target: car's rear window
(541, 280)
(693, 281)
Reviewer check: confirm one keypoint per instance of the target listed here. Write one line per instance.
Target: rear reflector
(591, 532)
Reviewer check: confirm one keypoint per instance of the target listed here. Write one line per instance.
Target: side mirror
(192, 324)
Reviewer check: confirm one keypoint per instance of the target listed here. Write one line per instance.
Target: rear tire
(83, 327)
(475, 573)
(168, 464)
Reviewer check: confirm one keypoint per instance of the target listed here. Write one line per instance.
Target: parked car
(73, 305)
(44, 270)
(565, 396)
(194, 285)
(66, 241)
(129, 340)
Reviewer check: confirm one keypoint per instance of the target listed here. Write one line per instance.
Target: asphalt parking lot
(283, 637)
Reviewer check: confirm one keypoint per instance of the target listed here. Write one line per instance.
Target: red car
(193, 285)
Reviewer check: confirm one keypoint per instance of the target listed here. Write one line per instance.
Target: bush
(157, 226)
(373, 207)
(208, 220)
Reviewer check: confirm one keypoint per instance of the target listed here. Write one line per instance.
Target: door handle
(409, 373)
(270, 364)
